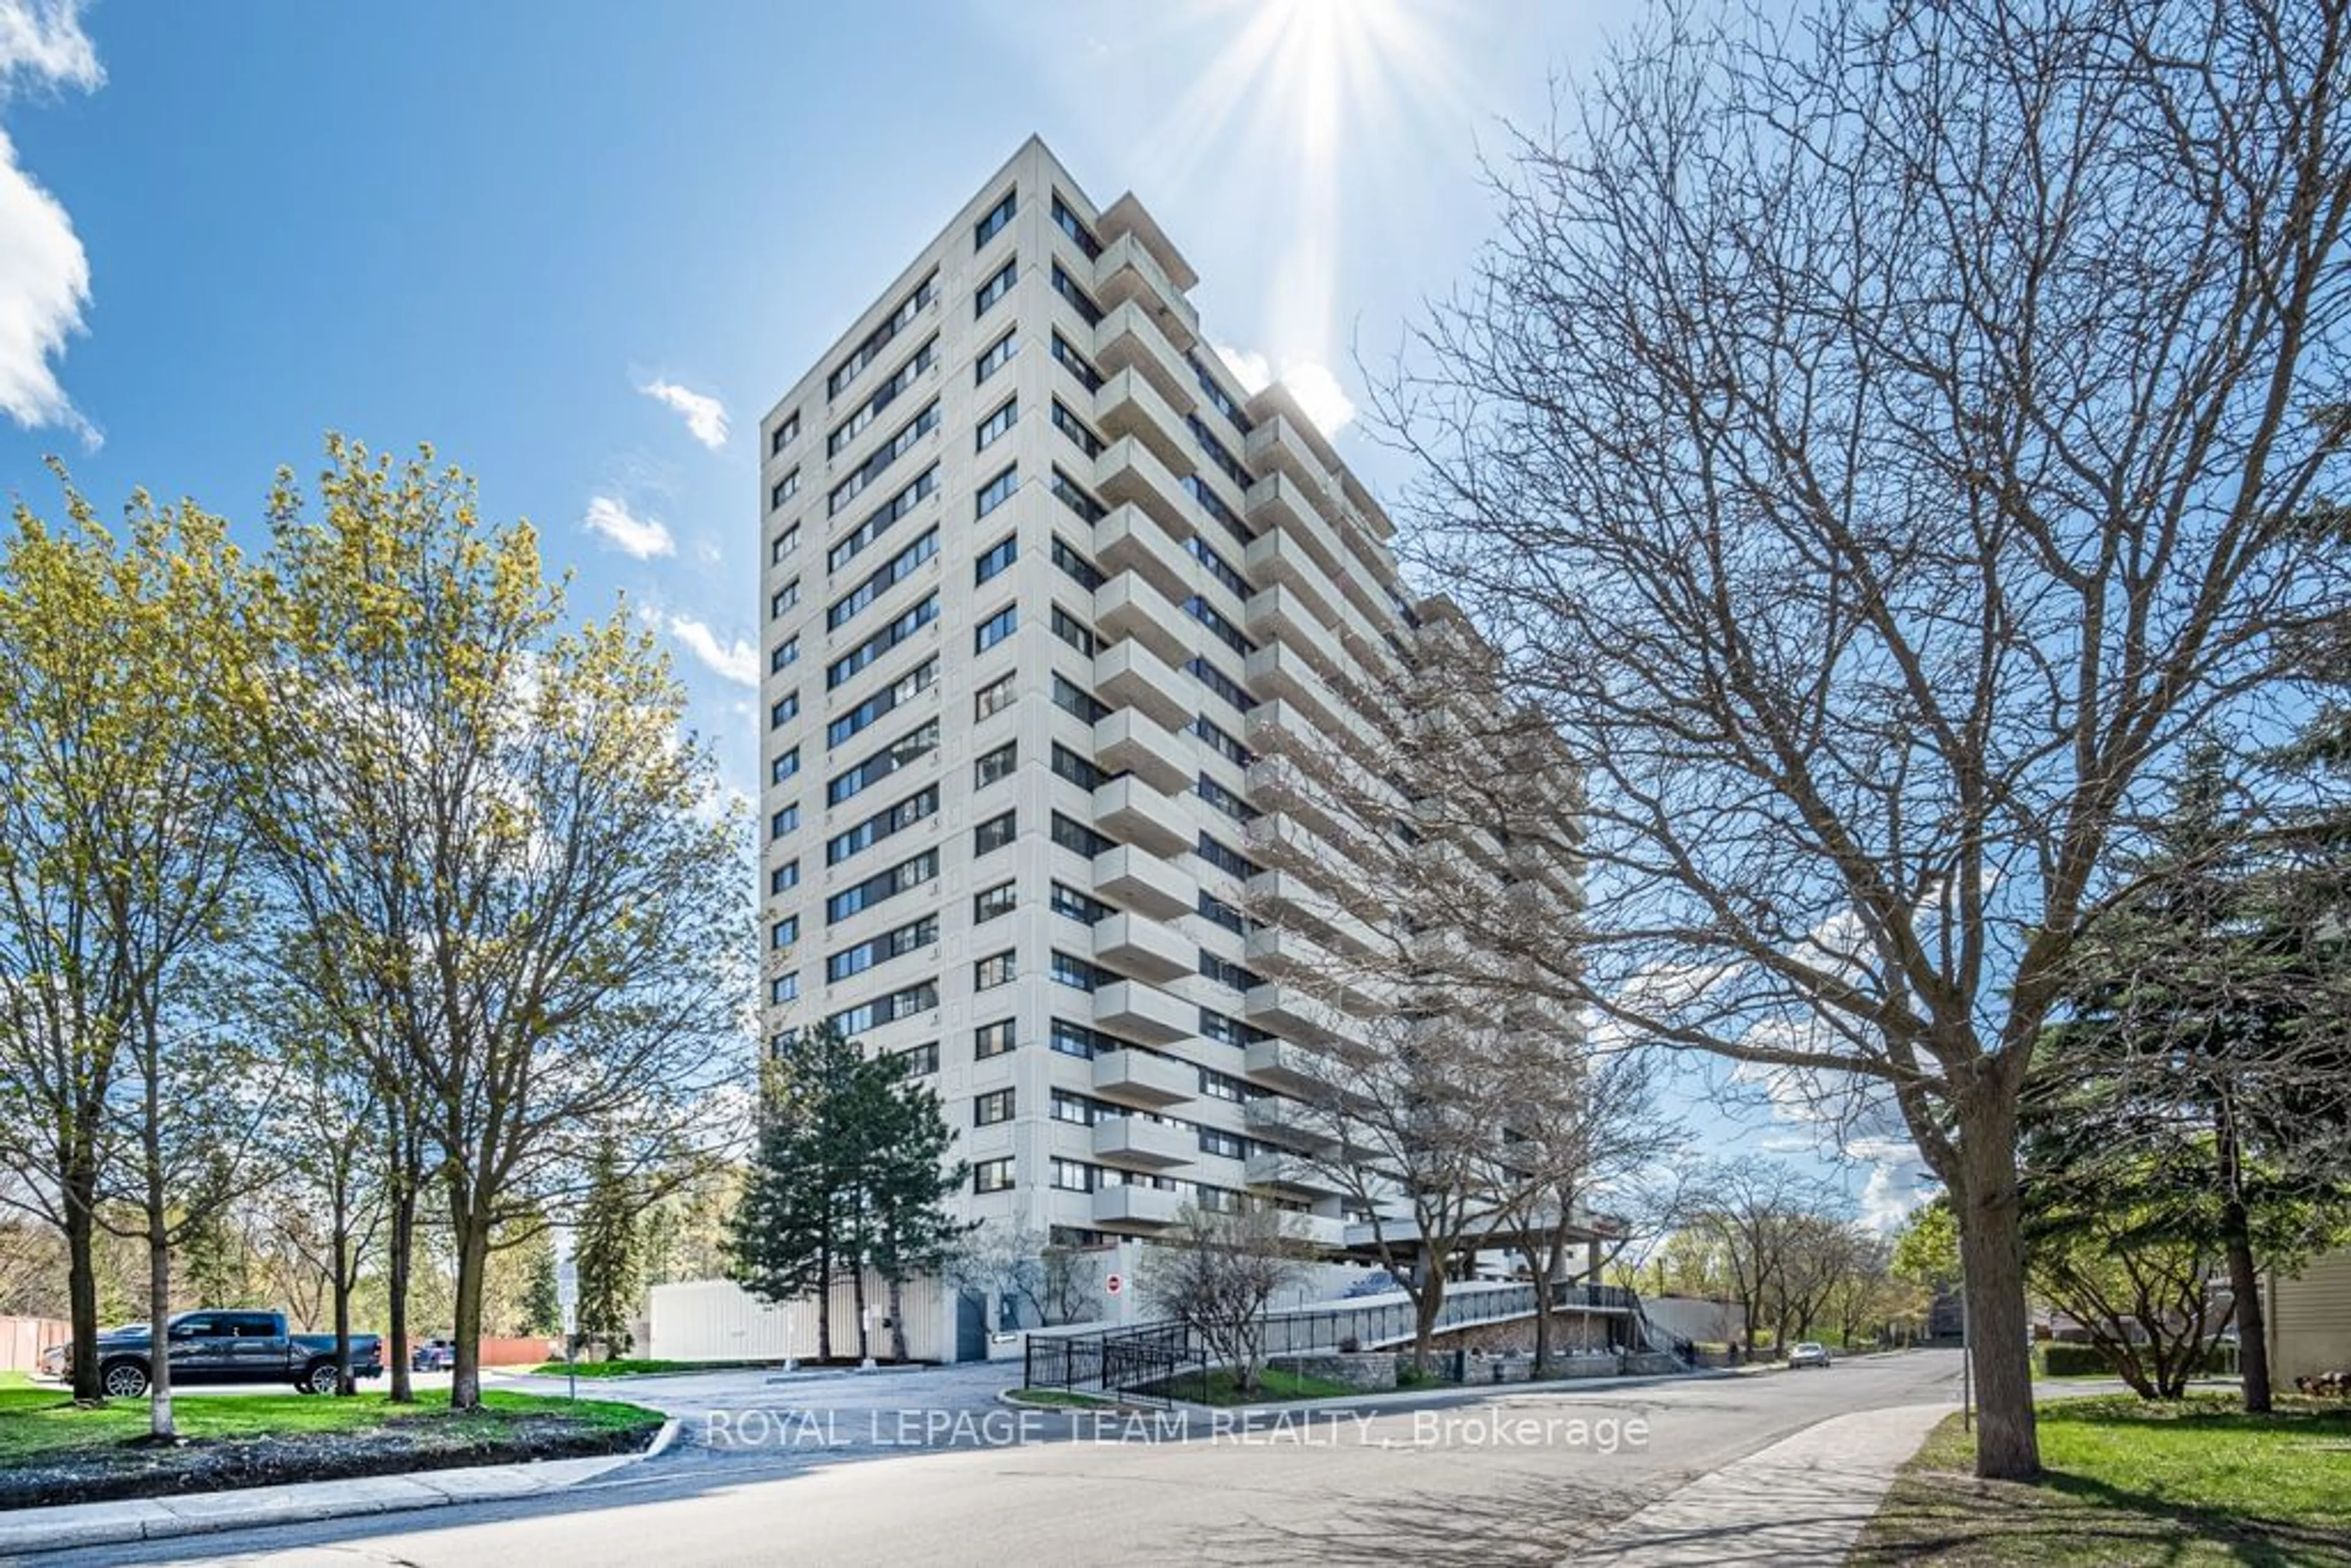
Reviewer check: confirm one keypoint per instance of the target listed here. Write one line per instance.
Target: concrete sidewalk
(1800, 1503)
(203, 1513)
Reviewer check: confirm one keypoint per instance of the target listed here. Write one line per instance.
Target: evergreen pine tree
(608, 1258)
(791, 1233)
(542, 1301)
(910, 1180)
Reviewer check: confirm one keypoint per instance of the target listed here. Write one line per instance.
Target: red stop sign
(1114, 1284)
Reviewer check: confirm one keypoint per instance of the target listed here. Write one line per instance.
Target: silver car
(1809, 1353)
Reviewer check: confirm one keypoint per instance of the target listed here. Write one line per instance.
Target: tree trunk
(2244, 1279)
(81, 1282)
(159, 1318)
(473, 1239)
(344, 1384)
(857, 1303)
(897, 1321)
(399, 1254)
(1991, 1260)
(824, 1299)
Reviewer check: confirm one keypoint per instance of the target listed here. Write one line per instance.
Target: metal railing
(1129, 1361)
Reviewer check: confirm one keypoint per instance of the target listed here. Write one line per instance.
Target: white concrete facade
(1091, 648)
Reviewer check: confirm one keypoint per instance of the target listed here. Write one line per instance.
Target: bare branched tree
(1217, 1273)
(1874, 439)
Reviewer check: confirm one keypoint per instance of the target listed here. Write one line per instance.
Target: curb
(84, 1524)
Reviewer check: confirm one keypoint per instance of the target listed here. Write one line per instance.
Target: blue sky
(561, 242)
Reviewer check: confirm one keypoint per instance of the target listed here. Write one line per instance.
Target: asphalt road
(920, 1468)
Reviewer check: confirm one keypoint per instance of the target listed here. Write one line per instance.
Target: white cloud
(643, 538)
(42, 43)
(706, 416)
(737, 662)
(44, 272)
(1318, 392)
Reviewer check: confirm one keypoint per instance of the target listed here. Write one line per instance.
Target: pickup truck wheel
(124, 1380)
(320, 1379)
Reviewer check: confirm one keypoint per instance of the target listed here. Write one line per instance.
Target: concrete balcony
(1139, 1077)
(1281, 671)
(1292, 1174)
(1327, 1231)
(1131, 337)
(1136, 1208)
(1133, 607)
(1130, 404)
(1143, 881)
(1128, 675)
(1128, 741)
(1290, 1010)
(1284, 1121)
(1130, 473)
(1277, 783)
(1126, 270)
(1287, 1065)
(1139, 946)
(1132, 540)
(1131, 1140)
(1132, 812)
(1145, 1013)
(1285, 897)
(1283, 510)
(1277, 446)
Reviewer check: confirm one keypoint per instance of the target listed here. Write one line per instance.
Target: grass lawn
(1060, 1399)
(2183, 1485)
(52, 1452)
(1273, 1387)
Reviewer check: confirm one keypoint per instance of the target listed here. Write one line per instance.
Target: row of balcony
(1150, 1209)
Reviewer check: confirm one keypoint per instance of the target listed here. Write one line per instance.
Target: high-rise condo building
(1046, 597)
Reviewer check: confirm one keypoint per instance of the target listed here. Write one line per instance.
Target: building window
(993, 223)
(904, 752)
(994, 697)
(784, 878)
(1216, 1026)
(881, 702)
(989, 903)
(996, 288)
(1076, 363)
(879, 339)
(921, 1060)
(881, 581)
(882, 886)
(1207, 615)
(783, 821)
(1080, 300)
(1077, 1039)
(1073, 631)
(1082, 772)
(1070, 970)
(784, 988)
(1076, 1108)
(992, 971)
(997, 764)
(1001, 554)
(1232, 750)
(998, 424)
(1080, 907)
(784, 932)
(901, 378)
(999, 354)
(784, 766)
(1070, 223)
(1223, 684)
(783, 489)
(1231, 861)
(1076, 836)
(1218, 567)
(1073, 495)
(874, 467)
(993, 834)
(999, 490)
(1073, 1176)
(890, 511)
(786, 654)
(992, 1176)
(785, 432)
(1088, 575)
(882, 642)
(992, 1038)
(783, 545)
(1222, 1086)
(1225, 972)
(909, 938)
(897, 818)
(996, 628)
(1217, 912)
(1071, 698)
(1224, 800)
(783, 599)
(1070, 425)
(1214, 1142)
(920, 997)
(992, 1107)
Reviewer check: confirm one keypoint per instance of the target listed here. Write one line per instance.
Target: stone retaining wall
(1367, 1372)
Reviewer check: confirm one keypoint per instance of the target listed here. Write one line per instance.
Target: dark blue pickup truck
(211, 1345)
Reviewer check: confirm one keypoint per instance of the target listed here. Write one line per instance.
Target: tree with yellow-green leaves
(527, 907)
(129, 657)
